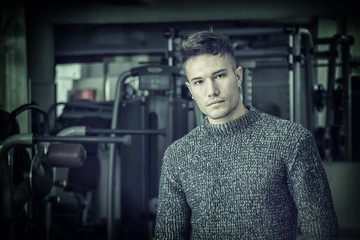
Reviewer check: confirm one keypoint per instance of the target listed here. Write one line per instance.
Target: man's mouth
(215, 102)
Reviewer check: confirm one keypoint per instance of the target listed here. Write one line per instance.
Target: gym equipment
(66, 155)
(35, 188)
(160, 114)
(82, 182)
(335, 140)
(150, 106)
(284, 49)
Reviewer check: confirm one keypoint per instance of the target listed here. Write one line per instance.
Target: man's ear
(188, 86)
(239, 76)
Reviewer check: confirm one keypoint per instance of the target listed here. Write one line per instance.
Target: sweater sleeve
(311, 192)
(173, 213)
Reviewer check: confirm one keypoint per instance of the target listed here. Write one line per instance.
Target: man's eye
(220, 76)
(198, 82)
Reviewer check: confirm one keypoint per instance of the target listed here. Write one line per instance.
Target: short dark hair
(205, 42)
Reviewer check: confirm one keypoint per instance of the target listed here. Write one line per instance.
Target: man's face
(214, 84)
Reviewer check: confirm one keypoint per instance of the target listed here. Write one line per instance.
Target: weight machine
(160, 114)
(25, 204)
(149, 105)
(336, 138)
(292, 53)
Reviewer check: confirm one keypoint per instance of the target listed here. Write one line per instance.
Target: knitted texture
(251, 178)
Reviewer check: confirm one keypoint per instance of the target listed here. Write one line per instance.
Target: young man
(242, 174)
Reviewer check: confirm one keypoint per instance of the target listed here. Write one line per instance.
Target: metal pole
(247, 86)
(127, 131)
(291, 77)
(297, 77)
(85, 139)
(345, 59)
(170, 34)
(331, 81)
(310, 79)
(112, 157)
(5, 178)
(143, 158)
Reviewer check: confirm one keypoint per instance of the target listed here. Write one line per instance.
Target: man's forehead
(207, 62)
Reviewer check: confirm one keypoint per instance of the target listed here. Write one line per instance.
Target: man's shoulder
(283, 126)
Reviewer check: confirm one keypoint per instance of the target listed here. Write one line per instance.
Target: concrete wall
(14, 85)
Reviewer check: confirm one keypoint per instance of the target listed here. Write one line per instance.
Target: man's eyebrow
(195, 78)
(214, 73)
(219, 71)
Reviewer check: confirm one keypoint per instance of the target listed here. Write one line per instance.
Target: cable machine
(293, 50)
(156, 106)
(335, 139)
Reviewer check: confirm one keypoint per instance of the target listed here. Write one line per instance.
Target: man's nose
(212, 89)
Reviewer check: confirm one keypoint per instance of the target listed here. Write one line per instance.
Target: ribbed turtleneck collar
(233, 126)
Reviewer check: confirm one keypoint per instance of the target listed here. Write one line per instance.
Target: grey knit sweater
(250, 178)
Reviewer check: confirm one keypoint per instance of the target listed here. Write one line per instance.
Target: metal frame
(114, 124)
